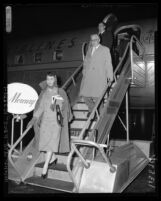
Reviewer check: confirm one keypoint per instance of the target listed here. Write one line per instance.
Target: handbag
(59, 116)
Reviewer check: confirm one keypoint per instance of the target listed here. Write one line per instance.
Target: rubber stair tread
(51, 183)
(79, 110)
(80, 119)
(80, 102)
(58, 166)
(75, 129)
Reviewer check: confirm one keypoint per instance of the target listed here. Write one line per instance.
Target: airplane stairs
(94, 165)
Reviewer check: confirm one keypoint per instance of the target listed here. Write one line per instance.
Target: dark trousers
(90, 101)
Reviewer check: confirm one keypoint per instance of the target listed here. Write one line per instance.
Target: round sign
(21, 98)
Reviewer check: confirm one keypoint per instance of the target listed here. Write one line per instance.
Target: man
(106, 35)
(97, 70)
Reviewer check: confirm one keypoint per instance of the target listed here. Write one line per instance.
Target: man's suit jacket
(106, 39)
(96, 69)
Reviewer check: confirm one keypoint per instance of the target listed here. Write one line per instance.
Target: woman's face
(50, 80)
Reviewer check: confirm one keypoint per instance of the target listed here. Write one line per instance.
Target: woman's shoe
(44, 176)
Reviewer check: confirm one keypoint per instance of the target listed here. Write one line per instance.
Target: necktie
(94, 48)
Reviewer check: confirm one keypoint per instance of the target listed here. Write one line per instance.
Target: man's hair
(51, 74)
(102, 23)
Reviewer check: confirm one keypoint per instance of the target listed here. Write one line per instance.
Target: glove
(59, 116)
(31, 122)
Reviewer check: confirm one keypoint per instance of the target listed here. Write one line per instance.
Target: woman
(53, 134)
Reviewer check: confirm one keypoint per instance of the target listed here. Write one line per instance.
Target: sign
(21, 98)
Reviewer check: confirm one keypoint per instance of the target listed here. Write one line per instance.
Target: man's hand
(109, 79)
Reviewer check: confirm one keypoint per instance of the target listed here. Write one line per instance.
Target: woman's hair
(51, 74)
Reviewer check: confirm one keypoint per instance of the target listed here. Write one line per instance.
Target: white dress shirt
(94, 48)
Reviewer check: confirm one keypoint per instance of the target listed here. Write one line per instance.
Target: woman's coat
(64, 144)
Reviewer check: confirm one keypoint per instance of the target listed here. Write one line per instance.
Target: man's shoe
(44, 176)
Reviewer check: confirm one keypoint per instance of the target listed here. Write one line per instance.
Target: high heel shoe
(44, 176)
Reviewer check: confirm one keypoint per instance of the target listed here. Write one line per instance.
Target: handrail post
(127, 117)
(131, 54)
(131, 58)
(12, 130)
(95, 139)
(21, 131)
(80, 156)
(69, 158)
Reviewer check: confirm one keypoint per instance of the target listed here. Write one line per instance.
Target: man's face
(50, 80)
(94, 41)
(101, 27)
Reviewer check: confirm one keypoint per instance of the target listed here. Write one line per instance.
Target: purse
(59, 116)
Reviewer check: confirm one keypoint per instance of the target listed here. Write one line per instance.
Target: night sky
(40, 19)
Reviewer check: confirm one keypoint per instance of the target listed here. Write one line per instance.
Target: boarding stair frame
(126, 75)
(25, 173)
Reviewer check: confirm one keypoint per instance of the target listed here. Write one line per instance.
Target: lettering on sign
(17, 99)
(21, 98)
(60, 44)
(72, 42)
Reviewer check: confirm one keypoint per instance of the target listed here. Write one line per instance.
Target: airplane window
(38, 57)
(19, 59)
(58, 55)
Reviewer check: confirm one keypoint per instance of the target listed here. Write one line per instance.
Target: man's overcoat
(96, 69)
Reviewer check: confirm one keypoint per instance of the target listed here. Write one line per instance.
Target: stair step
(80, 101)
(80, 114)
(80, 106)
(80, 119)
(55, 184)
(77, 110)
(80, 124)
(75, 132)
(58, 171)
(58, 166)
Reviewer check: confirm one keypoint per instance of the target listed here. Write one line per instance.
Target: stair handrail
(86, 164)
(131, 53)
(71, 78)
(14, 146)
(96, 145)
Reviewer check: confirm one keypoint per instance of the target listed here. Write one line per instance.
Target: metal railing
(86, 164)
(71, 79)
(14, 146)
(134, 39)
